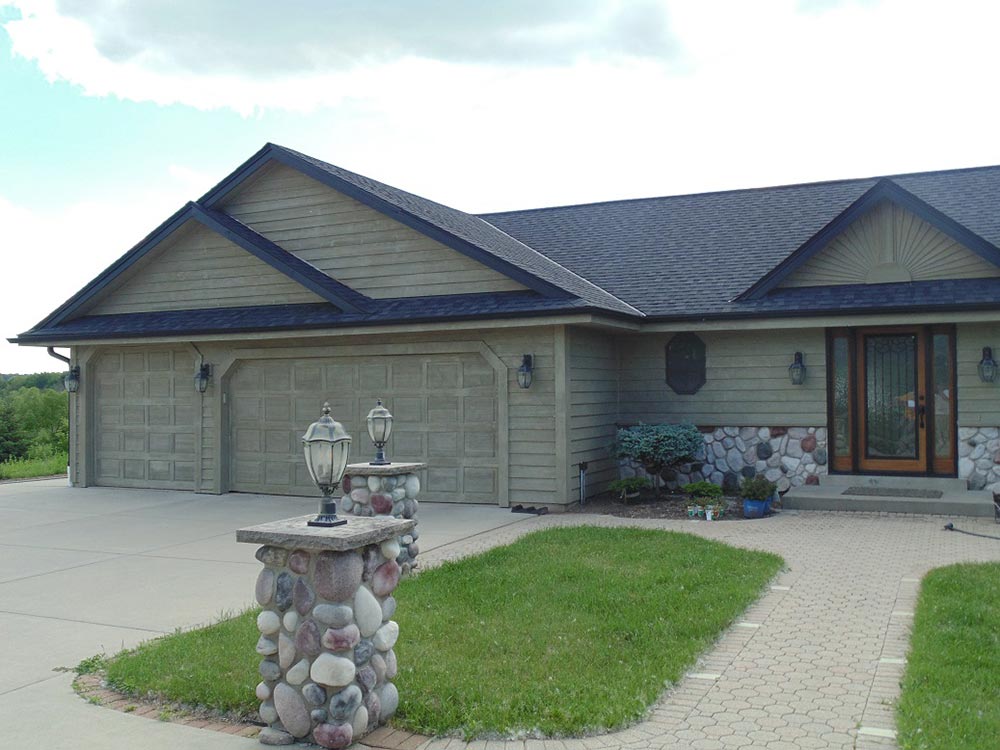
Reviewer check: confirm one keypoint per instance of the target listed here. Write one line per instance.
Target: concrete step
(827, 497)
(945, 484)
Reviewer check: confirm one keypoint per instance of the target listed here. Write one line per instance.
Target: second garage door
(444, 409)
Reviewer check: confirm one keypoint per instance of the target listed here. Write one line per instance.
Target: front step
(945, 484)
(828, 496)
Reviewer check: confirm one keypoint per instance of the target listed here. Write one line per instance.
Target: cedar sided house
(299, 282)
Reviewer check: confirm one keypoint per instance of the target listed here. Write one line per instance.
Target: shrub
(703, 491)
(757, 488)
(628, 485)
(14, 443)
(659, 446)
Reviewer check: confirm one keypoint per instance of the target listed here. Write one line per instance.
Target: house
(840, 327)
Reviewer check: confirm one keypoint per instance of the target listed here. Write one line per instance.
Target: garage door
(144, 419)
(444, 409)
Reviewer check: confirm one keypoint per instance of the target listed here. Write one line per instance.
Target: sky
(114, 113)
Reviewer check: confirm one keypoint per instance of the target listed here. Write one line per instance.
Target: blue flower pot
(754, 508)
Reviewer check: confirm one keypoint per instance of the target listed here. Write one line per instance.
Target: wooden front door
(892, 400)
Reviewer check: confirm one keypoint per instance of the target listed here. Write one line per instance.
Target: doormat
(893, 492)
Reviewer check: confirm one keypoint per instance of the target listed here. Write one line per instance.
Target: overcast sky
(114, 113)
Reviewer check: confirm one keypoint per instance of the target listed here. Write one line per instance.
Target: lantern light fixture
(379, 430)
(988, 367)
(327, 446)
(524, 372)
(71, 381)
(202, 378)
(797, 370)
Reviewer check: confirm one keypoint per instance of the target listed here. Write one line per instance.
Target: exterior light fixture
(379, 429)
(525, 370)
(797, 370)
(72, 379)
(988, 366)
(202, 377)
(326, 446)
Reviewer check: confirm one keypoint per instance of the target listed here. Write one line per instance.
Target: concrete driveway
(84, 571)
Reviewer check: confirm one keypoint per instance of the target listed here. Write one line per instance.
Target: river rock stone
(299, 561)
(267, 713)
(286, 650)
(269, 670)
(341, 639)
(820, 456)
(367, 677)
(378, 665)
(367, 612)
(390, 549)
(334, 736)
(332, 671)
(748, 472)
(386, 578)
(374, 706)
(764, 451)
(345, 703)
(266, 647)
(381, 503)
(360, 722)
(292, 710)
(338, 574)
(314, 694)
(268, 622)
(283, 591)
(794, 449)
(389, 699)
(264, 590)
(812, 479)
(333, 615)
(262, 691)
(307, 639)
(290, 621)
(318, 715)
(303, 596)
(385, 638)
(809, 443)
(275, 556)
(360, 495)
(272, 736)
(410, 506)
(299, 673)
(363, 652)
(730, 481)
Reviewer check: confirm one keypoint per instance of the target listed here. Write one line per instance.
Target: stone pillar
(388, 490)
(326, 628)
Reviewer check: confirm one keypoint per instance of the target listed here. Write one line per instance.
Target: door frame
(927, 463)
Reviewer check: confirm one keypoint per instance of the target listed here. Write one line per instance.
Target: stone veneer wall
(979, 457)
(326, 641)
(372, 495)
(787, 456)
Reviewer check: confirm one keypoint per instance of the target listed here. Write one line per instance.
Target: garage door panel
(444, 409)
(144, 432)
(277, 379)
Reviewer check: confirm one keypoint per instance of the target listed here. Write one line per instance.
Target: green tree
(43, 380)
(43, 418)
(13, 442)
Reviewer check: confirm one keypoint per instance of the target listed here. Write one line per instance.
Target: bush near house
(657, 447)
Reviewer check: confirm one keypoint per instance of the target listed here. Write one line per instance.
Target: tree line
(34, 417)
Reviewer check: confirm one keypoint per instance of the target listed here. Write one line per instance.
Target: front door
(892, 400)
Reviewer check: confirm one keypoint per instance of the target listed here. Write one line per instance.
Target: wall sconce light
(525, 370)
(327, 446)
(72, 379)
(988, 367)
(797, 370)
(379, 429)
(202, 377)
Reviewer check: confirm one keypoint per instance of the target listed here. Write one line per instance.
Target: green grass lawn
(26, 468)
(563, 632)
(951, 689)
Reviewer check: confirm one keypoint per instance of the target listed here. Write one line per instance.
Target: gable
(355, 244)
(890, 244)
(197, 268)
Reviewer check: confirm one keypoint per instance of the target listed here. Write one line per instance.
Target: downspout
(69, 411)
(583, 482)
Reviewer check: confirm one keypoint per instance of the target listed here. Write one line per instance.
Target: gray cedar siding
(978, 402)
(196, 268)
(593, 408)
(747, 380)
(353, 243)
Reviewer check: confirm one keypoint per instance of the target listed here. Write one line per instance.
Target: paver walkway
(814, 664)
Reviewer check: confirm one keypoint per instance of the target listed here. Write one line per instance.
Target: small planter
(692, 511)
(755, 508)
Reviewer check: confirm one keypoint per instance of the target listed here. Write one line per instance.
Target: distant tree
(43, 380)
(13, 442)
(42, 417)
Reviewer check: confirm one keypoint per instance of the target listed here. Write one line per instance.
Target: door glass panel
(841, 397)
(942, 380)
(890, 395)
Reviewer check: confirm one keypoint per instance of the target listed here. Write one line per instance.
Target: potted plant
(756, 493)
(629, 488)
(705, 499)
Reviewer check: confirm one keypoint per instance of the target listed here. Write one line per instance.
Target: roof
(693, 255)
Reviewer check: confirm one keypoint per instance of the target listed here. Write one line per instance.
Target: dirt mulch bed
(648, 506)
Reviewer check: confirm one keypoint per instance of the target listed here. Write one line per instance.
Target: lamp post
(379, 429)
(326, 446)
